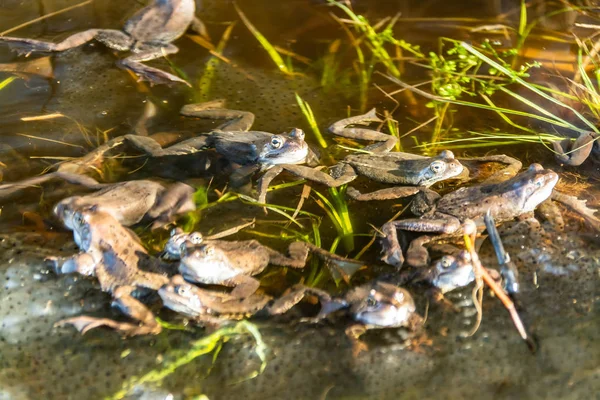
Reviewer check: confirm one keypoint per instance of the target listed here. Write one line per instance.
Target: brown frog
(374, 305)
(128, 202)
(114, 255)
(148, 35)
(506, 200)
(209, 306)
(233, 263)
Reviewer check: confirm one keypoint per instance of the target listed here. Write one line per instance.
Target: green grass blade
(209, 344)
(312, 122)
(518, 79)
(484, 106)
(274, 54)
(523, 18)
(7, 82)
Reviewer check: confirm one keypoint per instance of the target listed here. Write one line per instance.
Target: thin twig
(43, 17)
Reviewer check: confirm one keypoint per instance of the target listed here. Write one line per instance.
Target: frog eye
(276, 142)
(78, 218)
(446, 262)
(370, 302)
(437, 166)
(195, 238)
(182, 290)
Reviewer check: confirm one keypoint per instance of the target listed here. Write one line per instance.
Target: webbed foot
(152, 75)
(24, 47)
(577, 152)
(390, 247)
(354, 332)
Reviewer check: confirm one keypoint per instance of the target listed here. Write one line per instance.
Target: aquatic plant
(310, 118)
(264, 42)
(211, 343)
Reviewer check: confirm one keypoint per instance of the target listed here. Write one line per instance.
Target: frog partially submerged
(507, 200)
(252, 150)
(233, 263)
(374, 305)
(411, 173)
(148, 35)
(209, 306)
(114, 255)
(128, 202)
(179, 240)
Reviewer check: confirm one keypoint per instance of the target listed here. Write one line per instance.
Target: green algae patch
(211, 344)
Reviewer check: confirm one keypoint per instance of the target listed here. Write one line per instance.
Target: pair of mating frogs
(149, 34)
(113, 254)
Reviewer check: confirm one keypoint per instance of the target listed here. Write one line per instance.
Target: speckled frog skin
(114, 255)
(505, 201)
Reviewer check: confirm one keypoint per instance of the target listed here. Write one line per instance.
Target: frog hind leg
(417, 254)
(295, 295)
(154, 149)
(245, 286)
(513, 166)
(392, 252)
(339, 266)
(235, 120)
(151, 74)
(385, 142)
(575, 153)
(393, 193)
(8, 189)
(129, 306)
(112, 38)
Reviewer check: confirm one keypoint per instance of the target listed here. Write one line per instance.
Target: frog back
(247, 256)
(161, 22)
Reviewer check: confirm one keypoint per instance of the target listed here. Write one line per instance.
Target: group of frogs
(113, 254)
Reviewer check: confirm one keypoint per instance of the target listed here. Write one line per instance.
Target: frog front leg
(244, 286)
(386, 142)
(392, 252)
(302, 171)
(82, 263)
(575, 153)
(112, 38)
(354, 332)
(151, 74)
(130, 306)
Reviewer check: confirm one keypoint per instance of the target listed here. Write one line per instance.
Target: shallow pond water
(560, 269)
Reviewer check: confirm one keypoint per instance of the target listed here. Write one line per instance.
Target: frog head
(383, 305)
(284, 149)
